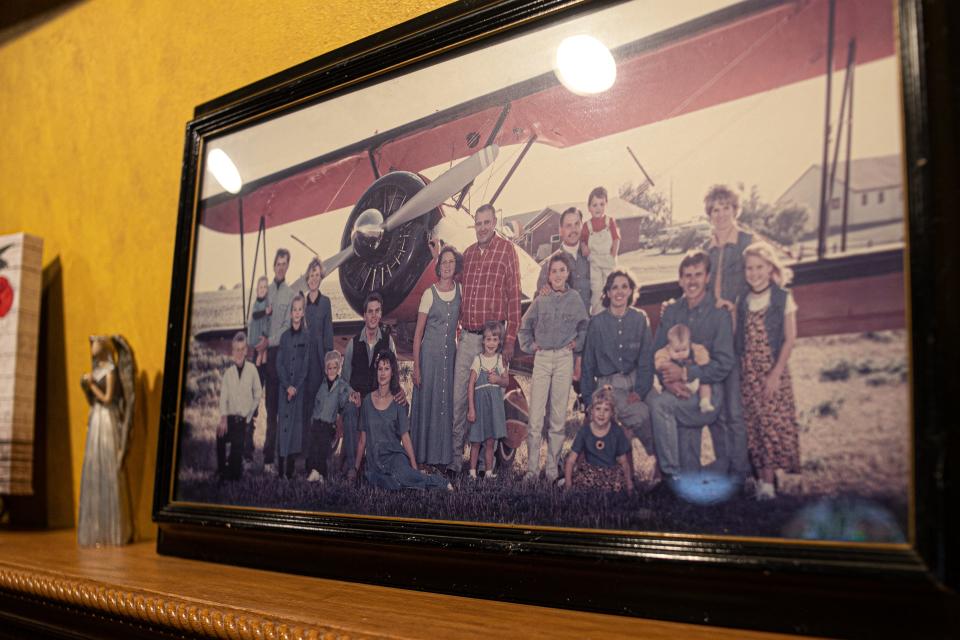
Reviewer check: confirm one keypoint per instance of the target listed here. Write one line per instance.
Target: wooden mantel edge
(161, 610)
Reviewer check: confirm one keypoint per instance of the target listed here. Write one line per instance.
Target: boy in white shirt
(600, 243)
(239, 397)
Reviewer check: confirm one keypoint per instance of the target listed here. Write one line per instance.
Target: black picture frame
(747, 583)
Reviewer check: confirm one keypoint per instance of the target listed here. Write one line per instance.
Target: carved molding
(160, 610)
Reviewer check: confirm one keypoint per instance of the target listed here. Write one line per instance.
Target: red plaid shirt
(491, 287)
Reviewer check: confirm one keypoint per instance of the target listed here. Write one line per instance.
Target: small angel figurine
(105, 517)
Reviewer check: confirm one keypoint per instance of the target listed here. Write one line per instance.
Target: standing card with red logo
(20, 286)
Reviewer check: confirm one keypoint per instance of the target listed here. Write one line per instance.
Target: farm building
(875, 208)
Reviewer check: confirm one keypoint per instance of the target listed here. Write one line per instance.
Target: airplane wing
(737, 52)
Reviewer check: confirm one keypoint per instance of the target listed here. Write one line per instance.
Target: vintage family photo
(640, 270)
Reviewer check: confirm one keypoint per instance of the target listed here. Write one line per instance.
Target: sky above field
(767, 140)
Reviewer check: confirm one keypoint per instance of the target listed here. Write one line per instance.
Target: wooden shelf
(134, 590)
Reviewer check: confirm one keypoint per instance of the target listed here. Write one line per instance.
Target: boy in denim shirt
(332, 397)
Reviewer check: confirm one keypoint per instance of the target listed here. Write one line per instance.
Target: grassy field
(507, 500)
(853, 413)
(223, 310)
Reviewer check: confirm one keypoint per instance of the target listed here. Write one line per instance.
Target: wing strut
(824, 204)
(516, 163)
(245, 298)
(649, 181)
(261, 233)
(243, 283)
(846, 104)
(373, 164)
(490, 140)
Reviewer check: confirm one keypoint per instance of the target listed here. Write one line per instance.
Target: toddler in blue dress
(485, 412)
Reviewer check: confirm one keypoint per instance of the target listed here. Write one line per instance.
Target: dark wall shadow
(18, 17)
(142, 454)
(51, 504)
(52, 399)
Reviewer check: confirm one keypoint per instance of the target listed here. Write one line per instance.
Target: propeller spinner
(367, 232)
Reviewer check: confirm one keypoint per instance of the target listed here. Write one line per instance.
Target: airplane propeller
(447, 184)
(370, 226)
(337, 259)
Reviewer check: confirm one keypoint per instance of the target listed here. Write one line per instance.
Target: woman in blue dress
(385, 436)
(318, 321)
(292, 366)
(434, 352)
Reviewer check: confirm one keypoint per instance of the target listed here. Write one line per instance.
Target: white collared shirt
(240, 393)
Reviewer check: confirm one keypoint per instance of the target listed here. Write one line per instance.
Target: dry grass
(854, 432)
(223, 309)
(853, 411)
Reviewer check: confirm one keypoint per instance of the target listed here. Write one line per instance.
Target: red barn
(539, 229)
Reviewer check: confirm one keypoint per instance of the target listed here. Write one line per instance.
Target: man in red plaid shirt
(491, 291)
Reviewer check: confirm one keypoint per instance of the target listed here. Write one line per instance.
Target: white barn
(875, 210)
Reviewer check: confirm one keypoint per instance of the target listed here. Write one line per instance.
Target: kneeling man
(676, 412)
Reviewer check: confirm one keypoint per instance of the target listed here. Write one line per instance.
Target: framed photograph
(612, 306)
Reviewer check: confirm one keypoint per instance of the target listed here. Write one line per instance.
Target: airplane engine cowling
(394, 264)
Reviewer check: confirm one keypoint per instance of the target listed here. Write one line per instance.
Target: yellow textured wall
(93, 103)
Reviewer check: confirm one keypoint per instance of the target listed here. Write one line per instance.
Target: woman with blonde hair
(728, 240)
(318, 321)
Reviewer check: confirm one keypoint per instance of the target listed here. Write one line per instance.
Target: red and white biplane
(740, 51)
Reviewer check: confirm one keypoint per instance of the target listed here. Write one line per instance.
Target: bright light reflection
(223, 169)
(704, 487)
(584, 65)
